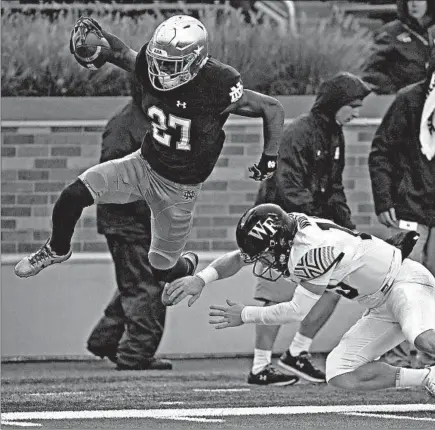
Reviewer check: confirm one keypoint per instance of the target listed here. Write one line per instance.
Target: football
(94, 50)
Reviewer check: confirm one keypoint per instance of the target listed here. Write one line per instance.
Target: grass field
(197, 394)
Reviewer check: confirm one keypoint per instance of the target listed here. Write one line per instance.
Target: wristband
(209, 274)
(267, 162)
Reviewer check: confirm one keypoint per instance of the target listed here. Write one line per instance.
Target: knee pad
(160, 262)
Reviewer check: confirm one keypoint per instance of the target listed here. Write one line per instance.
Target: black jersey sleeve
(230, 88)
(141, 67)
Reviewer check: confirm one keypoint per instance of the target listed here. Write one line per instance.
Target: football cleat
(429, 382)
(271, 376)
(34, 263)
(193, 259)
(302, 366)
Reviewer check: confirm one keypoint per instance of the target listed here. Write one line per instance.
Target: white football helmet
(176, 52)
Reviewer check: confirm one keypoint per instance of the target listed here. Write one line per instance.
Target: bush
(36, 59)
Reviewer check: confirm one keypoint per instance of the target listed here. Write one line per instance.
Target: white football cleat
(429, 382)
(34, 263)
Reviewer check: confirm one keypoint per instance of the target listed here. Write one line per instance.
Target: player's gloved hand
(265, 168)
(81, 28)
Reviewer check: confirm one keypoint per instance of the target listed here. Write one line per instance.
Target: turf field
(197, 394)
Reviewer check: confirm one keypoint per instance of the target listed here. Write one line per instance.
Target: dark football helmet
(176, 52)
(264, 235)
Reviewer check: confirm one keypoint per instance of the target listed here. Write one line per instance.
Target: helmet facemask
(272, 263)
(167, 73)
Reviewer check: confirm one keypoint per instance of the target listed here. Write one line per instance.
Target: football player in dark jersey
(188, 96)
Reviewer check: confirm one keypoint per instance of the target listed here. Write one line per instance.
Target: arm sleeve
(388, 136)
(376, 71)
(293, 168)
(282, 313)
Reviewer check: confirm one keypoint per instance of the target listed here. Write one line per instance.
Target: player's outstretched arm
(235, 314)
(257, 105)
(223, 267)
(117, 52)
(122, 55)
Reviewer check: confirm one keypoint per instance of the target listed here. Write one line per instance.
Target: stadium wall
(46, 144)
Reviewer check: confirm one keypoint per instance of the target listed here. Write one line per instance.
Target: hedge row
(36, 59)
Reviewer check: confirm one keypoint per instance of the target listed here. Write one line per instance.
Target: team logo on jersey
(181, 104)
(315, 263)
(236, 92)
(263, 229)
(189, 194)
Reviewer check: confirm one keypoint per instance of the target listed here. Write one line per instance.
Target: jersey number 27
(162, 127)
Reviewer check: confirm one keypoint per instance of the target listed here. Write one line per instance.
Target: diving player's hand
(179, 289)
(265, 168)
(230, 316)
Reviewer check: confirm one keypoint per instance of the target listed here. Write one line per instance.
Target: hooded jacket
(401, 175)
(309, 176)
(401, 51)
(122, 136)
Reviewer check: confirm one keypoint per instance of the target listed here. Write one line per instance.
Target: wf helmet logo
(236, 92)
(263, 229)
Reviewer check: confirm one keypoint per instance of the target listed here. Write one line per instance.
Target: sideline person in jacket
(309, 180)
(402, 47)
(131, 329)
(402, 172)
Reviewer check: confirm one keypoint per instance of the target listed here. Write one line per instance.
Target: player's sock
(299, 344)
(261, 359)
(66, 212)
(410, 377)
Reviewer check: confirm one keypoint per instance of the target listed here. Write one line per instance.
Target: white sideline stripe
(221, 390)
(213, 412)
(388, 416)
(20, 424)
(199, 420)
(102, 122)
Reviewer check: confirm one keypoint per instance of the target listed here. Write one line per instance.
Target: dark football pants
(131, 178)
(133, 322)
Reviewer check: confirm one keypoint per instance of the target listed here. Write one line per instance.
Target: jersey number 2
(160, 126)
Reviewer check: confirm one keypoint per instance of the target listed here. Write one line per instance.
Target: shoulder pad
(141, 66)
(316, 262)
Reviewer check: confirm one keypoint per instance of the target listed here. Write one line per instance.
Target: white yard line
(212, 412)
(20, 424)
(221, 390)
(389, 416)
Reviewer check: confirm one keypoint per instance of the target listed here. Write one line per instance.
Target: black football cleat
(101, 352)
(271, 376)
(302, 366)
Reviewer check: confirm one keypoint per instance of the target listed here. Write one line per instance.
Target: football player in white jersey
(399, 293)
